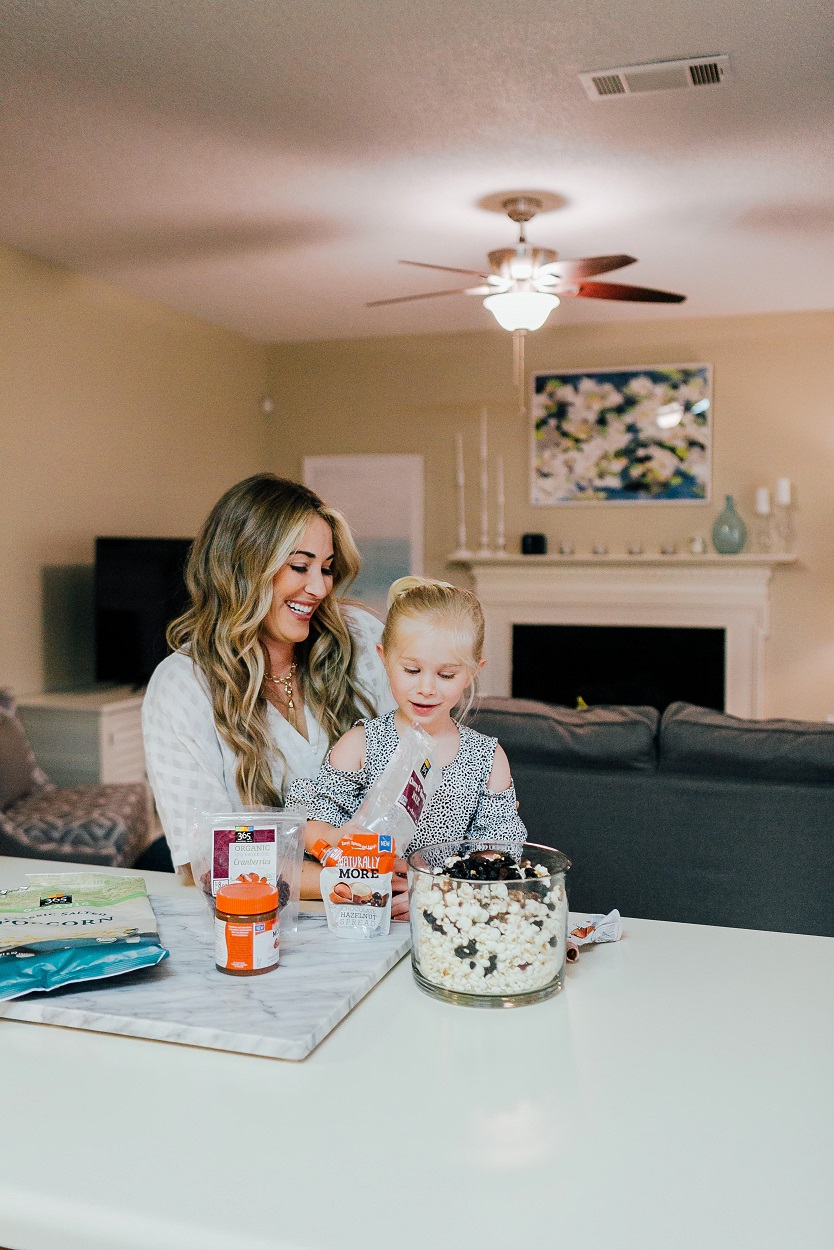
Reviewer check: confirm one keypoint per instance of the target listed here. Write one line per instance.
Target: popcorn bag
(251, 844)
(396, 800)
(356, 885)
(64, 928)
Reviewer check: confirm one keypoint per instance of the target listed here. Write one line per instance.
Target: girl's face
(427, 676)
(300, 585)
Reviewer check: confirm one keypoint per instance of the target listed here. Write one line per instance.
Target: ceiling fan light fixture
(521, 310)
(521, 269)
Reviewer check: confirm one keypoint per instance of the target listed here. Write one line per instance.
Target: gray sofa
(696, 816)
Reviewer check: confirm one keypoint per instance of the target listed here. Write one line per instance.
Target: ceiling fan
(525, 283)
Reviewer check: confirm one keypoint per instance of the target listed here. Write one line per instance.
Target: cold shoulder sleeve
(497, 818)
(332, 795)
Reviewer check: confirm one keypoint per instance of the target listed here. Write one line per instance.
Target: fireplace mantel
(646, 559)
(707, 591)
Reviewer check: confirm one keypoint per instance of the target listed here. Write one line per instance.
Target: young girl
(432, 651)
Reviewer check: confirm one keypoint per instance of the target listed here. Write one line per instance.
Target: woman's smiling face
(301, 584)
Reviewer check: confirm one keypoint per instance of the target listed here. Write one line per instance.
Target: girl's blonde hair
(247, 538)
(429, 604)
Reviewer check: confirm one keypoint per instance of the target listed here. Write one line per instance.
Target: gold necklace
(286, 682)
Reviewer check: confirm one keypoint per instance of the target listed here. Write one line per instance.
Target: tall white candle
(762, 501)
(500, 526)
(484, 550)
(783, 491)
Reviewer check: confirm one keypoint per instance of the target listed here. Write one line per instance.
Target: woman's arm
(310, 883)
(182, 752)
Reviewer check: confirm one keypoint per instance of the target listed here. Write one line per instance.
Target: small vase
(729, 533)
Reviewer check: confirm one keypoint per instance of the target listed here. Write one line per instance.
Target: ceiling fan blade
(405, 299)
(619, 290)
(585, 267)
(421, 264)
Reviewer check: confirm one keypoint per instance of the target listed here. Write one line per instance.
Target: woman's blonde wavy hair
(422, 602)
(248, 536)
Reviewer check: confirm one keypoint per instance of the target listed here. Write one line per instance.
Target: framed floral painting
(626, 435)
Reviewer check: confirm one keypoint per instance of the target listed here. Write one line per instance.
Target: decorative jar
(493, 943)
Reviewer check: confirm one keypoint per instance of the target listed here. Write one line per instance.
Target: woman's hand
(399, 891)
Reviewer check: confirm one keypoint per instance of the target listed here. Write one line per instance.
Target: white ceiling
(264, 165)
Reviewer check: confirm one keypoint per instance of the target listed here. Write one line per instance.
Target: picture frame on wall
(636, 434)
(381, 497)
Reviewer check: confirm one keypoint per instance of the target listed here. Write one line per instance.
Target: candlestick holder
(484, 551)
(784, 529)
(500, 511)
(462, 551)
(764, 539)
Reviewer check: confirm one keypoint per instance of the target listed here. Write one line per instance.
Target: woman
(268, 668)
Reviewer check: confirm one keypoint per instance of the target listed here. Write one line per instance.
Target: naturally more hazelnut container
(356, 885)
(488, 924)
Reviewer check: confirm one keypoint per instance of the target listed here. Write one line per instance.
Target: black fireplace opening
(650, 666)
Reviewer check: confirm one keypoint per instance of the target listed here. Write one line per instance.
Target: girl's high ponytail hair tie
(404, 584)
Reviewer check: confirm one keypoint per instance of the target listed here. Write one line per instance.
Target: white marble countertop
(283, 1014)
(678, 1093)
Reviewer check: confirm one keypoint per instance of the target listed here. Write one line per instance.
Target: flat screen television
(139, 590)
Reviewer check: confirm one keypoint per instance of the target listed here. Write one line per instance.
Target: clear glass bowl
(488, 943)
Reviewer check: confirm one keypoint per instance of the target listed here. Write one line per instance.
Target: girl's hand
(399, 891)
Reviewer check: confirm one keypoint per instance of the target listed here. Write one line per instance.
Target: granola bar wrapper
(598, 928)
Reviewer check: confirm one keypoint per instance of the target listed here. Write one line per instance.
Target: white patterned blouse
(192, 769)
(461, 809)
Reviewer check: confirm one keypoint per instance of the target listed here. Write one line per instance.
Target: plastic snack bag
(256, 843)
(62, 928)
(396, 800)
(356, 885)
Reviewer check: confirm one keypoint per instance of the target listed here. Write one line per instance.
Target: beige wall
(116, 417)
(773, 414)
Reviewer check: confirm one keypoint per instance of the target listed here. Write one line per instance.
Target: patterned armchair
(82, 824)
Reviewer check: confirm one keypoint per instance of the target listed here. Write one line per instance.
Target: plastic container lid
(246, 898)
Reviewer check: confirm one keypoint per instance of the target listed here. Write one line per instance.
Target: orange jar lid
(246, 898)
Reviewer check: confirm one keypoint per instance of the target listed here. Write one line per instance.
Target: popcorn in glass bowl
(488, 923)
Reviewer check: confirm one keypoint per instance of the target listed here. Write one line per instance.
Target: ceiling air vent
(699, 71)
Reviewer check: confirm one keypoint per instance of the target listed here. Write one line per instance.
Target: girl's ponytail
(403, 584)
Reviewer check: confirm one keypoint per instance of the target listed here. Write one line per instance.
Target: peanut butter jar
(246, 928)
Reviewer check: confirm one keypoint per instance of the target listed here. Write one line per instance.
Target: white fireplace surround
(713, 592)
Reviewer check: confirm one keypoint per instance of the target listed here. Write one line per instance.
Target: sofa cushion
(700, 741)
(91, 824)
(19, 771)
(619, 738)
